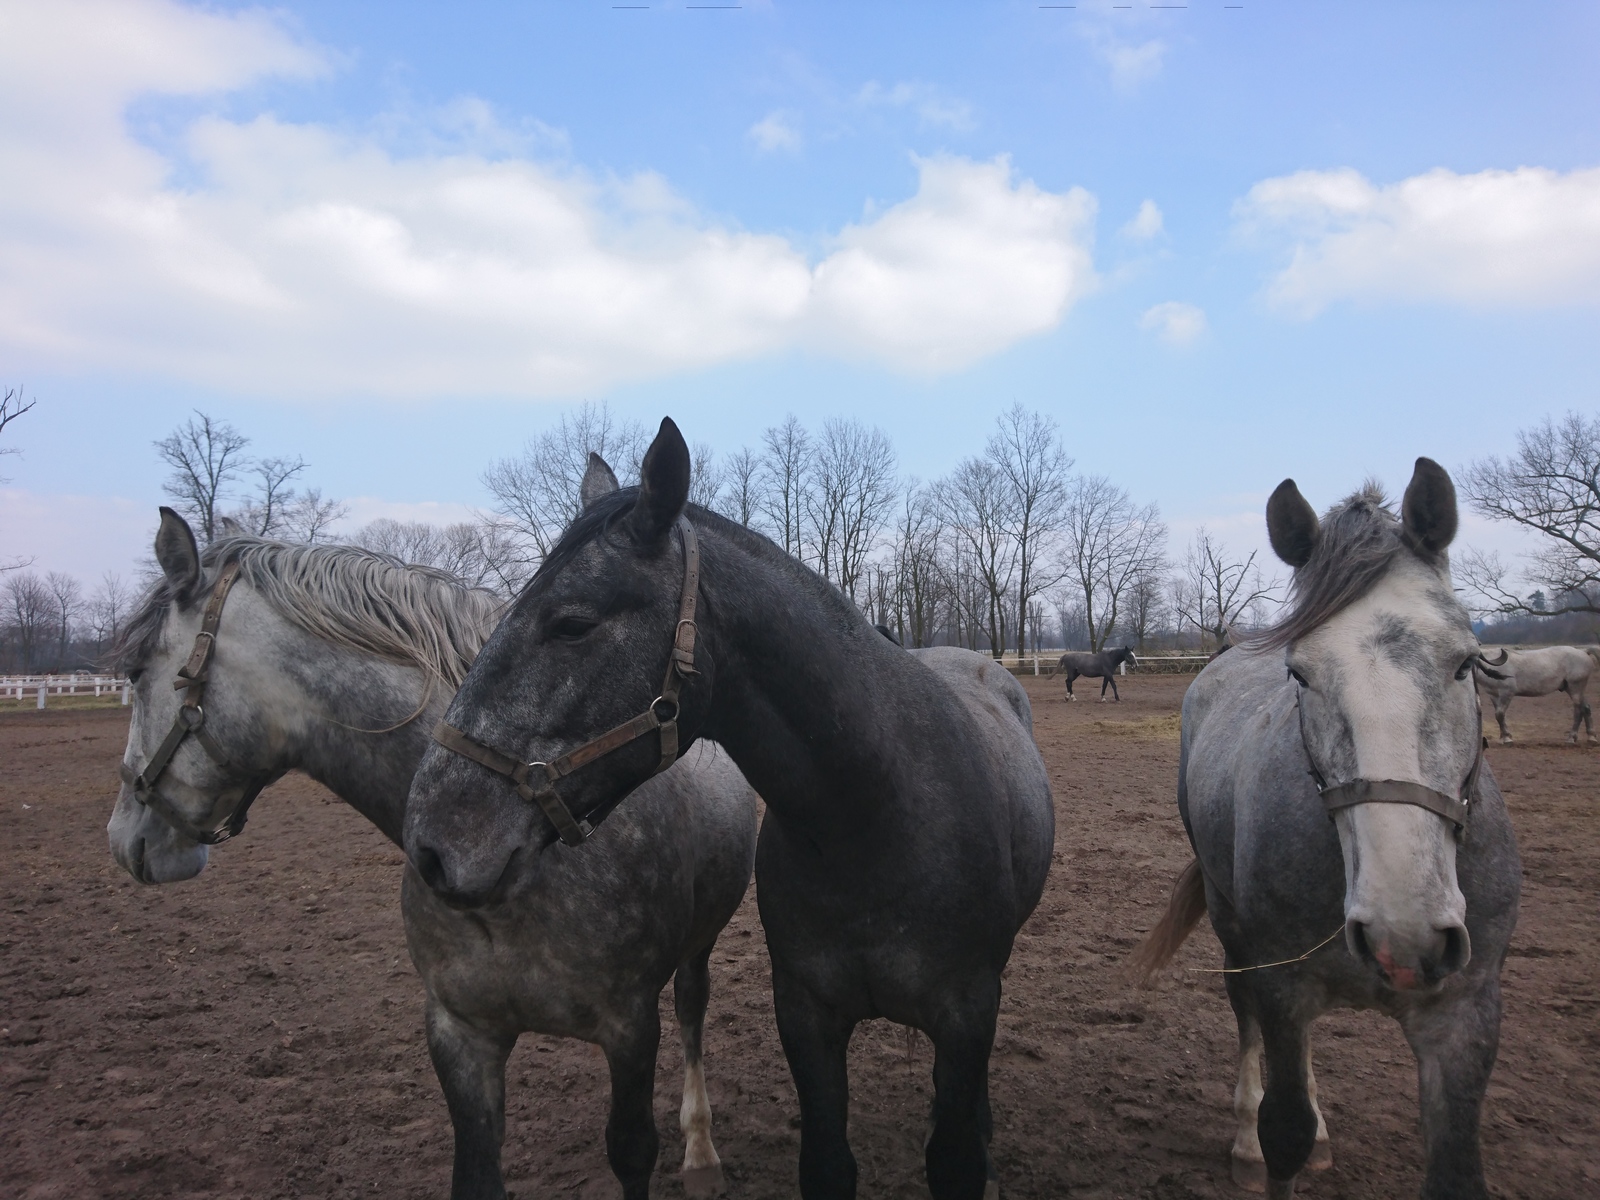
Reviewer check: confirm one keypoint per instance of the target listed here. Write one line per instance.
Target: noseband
(1394, 791)
(536, 781)
(191, 722)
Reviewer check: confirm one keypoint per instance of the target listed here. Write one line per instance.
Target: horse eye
(570, 629)
(1465, 668)
(1298, 678)
(133, 675)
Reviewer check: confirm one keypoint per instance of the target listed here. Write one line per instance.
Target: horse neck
(356, 740)
(809, 699)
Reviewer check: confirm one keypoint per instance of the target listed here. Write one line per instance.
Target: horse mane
(1359, 540)
(345, 595)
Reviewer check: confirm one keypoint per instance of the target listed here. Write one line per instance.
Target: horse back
(1001, 716)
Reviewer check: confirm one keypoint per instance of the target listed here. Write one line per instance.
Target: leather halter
(191, 722)
(536, 781)
(1454, 809)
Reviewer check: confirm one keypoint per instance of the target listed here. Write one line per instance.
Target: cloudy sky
(1220, 243)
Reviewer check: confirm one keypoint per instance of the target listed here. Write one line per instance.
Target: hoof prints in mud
(257, 1032)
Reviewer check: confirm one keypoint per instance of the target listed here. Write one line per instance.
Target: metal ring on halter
(660, 700)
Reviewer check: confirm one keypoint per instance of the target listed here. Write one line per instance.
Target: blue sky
(1220, 245)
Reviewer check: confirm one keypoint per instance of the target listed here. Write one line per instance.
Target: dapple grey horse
(1538, 673)
(336, 662)
(1102, 665)
(909, 825)
(1351, 846)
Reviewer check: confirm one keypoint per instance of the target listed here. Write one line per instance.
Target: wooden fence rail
(17, 687)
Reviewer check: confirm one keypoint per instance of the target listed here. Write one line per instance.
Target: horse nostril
(431, 867)
(1356, 933)
(1457, 952)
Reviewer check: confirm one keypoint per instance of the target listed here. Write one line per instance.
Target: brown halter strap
(191, 722)
(536, 780)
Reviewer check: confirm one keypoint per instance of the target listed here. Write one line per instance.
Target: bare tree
(705, 477)
(916, 565)
(1215, 589)
(1108, 543)
(742, 481)
(307, 519)
(852, 494)
(1027, 451)
(108, 609)
(785, 478)
(537, 491)
(978, 510)
(29, 608)
(206, 456)
(268, 512)
(1146, 606)
(66, 601)
(1551, 486)
(12, 406)
(477, 553)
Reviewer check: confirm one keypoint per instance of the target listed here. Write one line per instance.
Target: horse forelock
(348, 596)
(1360, 541)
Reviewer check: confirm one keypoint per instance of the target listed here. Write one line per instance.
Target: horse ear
(177, 553)
(663, 484)
(598, 480)
(1291, 525)
(1428, 511)
(232, 528)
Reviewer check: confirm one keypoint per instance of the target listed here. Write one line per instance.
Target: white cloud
(296, 260)
(1146, 223)
(966, 267)
(1521, 238)
(1174, 322)
(930, 104)
(775, 131)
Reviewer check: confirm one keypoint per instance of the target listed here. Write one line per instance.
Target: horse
(909, 825)
(1538, 673)
(1351, 846)
(335, 661)
(1101, 664)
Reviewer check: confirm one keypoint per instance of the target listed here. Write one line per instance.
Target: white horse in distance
(1538, 673)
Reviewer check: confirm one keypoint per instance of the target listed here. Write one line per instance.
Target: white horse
(1538, 673)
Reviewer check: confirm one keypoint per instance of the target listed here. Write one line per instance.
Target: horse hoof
(701, 1182)
(1321, 1156)
(1506, 741)
(1251, 1175)
(991, 1190)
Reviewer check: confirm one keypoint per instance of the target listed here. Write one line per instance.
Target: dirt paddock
(257, 1032)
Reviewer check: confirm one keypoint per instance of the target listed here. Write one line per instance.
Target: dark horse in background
(1350, 843)
(1098, 665)
(909, 824)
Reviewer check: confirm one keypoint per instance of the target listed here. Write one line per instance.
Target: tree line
(1013, 550)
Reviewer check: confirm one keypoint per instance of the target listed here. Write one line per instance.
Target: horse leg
(815, 1039)
(1286, 1121)
(1501, 704)
(631, 1140)
(957, 1153)
(1105, 682)
(1071, 675)
(691, 992)
(1455, 1047)
(1321, 1149)
(1112, 680)
(471, 1066)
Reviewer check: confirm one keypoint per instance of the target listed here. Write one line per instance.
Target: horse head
(583, 650)
(1382, 657)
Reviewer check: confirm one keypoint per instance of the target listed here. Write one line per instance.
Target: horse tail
(1184, 910)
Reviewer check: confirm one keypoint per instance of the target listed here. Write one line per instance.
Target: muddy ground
(258, 1032)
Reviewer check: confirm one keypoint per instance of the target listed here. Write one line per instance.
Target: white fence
(18, 687)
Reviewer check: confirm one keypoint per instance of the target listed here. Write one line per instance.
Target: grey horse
(336, 662)
(909, 825)
(1351, 846)
(1538, 673)
(1100, 664)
